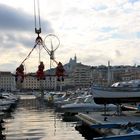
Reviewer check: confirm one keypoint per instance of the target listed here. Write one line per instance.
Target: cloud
(8, 66)
(133, 1)
(97, 31)
(17, 36)
(118, 53)
(14, 20)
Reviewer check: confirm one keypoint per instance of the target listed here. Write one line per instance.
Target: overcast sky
(95, 30)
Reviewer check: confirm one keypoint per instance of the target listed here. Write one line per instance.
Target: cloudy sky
(95, 30)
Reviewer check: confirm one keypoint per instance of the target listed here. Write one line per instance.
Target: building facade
(81, 75)
(7, 81)
(77, 75)
(31, 83)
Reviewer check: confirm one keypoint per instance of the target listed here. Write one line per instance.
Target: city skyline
(96, 31)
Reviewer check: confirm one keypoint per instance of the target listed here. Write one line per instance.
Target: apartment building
(117, 73)
(81, 75)
(7, 81)
(31, 82)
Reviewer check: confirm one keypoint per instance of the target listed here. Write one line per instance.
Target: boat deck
(110, 123)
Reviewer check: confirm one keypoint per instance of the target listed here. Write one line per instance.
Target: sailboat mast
(109, 74)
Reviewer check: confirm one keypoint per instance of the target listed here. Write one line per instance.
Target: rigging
(39, 43)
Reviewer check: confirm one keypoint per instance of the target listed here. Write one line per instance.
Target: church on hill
(71, 64)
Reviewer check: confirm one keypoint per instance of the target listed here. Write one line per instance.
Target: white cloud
(97, 31)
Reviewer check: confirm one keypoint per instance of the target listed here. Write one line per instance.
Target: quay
(111, 124)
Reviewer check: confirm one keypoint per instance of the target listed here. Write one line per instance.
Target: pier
(111, 124)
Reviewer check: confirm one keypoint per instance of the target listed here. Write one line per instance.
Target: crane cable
(37, 20)
(29, 54)
(39, 40)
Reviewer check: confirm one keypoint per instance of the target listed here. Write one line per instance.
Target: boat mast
(109, 77)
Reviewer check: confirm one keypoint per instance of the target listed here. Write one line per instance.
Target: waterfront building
(7, 81)
(81, 75)
(77, 75)
(99, 75)
(117, 74)
(31, 83)
(131, 73)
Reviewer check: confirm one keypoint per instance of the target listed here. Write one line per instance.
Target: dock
(111, 124)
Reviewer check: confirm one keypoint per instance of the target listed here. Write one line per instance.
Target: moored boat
(120, 92)
(87, 104)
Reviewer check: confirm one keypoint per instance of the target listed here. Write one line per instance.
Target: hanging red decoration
(40, 73)
(60, 72)
(20, 73)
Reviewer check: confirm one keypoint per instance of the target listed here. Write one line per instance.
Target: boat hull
(103, 100)
(87, 107)
(113, 95)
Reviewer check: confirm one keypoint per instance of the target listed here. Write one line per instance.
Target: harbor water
(34, 120)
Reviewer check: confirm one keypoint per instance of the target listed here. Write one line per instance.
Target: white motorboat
(87, 105)
(133, 135)
(120, 92)
(54, 96)
(10, 96)
(72, 97)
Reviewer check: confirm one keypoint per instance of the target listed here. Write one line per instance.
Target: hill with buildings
(77, 74)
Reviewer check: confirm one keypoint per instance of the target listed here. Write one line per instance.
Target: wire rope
(29, 54)
(37, 17)
(39, 14)
(34, 14)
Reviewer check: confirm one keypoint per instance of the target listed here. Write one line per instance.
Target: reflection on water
(32, 120)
